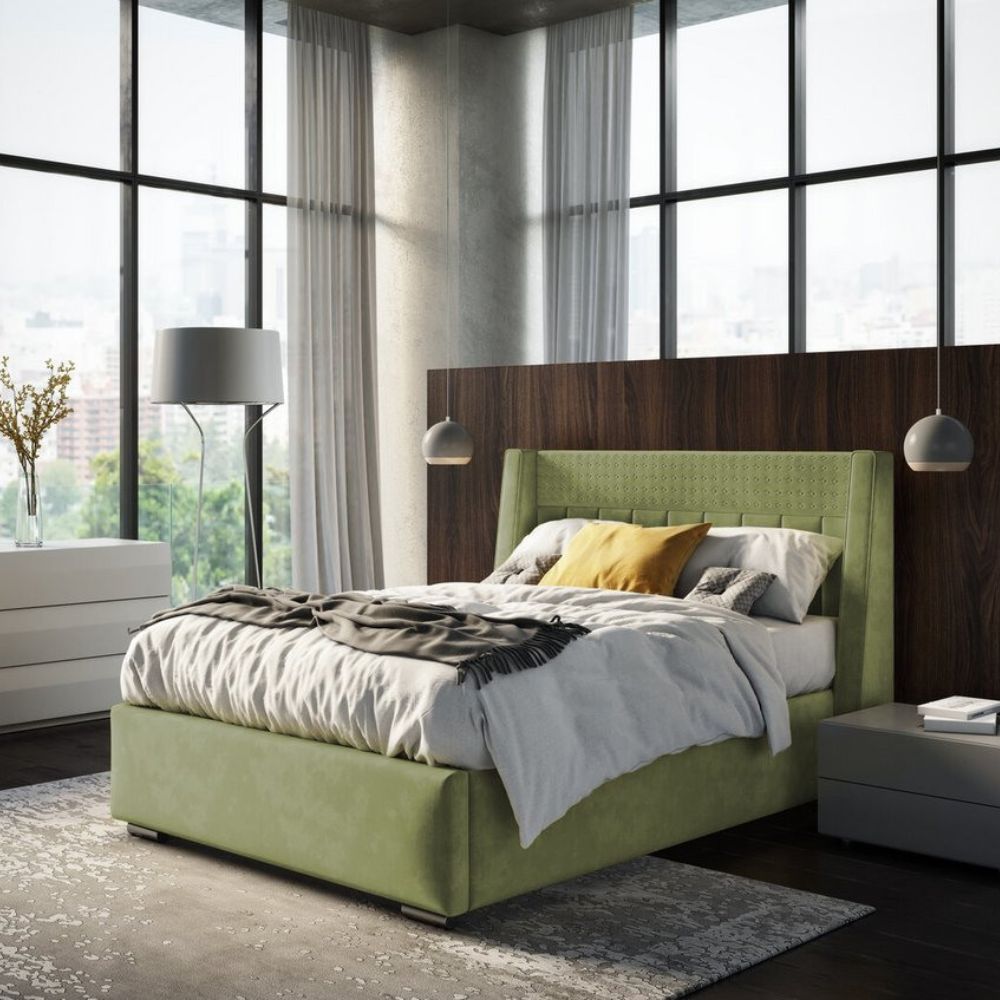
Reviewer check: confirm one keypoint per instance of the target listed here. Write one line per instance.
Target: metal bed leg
(425, 916)
(142, 832)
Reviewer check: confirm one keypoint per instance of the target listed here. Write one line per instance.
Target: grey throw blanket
(476, 645)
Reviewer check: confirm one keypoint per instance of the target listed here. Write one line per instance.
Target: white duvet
(656, 675)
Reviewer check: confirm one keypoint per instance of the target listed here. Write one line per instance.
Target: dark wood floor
(935, 932)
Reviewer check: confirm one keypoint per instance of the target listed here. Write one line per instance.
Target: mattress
(806, 654)
(302, 684)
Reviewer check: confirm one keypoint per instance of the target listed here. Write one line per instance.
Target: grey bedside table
(883, 780)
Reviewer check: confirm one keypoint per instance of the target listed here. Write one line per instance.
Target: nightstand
(883, 780)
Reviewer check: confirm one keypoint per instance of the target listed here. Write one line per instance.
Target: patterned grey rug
(88, 912)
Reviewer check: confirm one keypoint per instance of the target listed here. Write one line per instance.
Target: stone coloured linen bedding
(656, 675)
(806, 653)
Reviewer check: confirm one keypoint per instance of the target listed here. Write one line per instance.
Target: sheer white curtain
(588, 84)
(333, 457)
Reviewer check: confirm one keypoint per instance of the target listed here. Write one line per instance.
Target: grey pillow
(731, 587)
(524, 568)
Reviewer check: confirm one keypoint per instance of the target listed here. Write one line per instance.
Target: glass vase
(28, 534)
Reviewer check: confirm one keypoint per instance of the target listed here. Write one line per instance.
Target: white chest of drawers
(65, 614)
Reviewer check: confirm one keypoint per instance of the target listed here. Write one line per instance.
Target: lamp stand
(246, 486)
(201, 494)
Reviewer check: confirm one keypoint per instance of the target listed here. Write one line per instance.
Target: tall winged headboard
(847, 494)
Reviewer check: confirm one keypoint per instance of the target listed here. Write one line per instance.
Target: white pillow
(800, 561)
(541, 547)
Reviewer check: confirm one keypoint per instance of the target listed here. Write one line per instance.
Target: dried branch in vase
(28, 412)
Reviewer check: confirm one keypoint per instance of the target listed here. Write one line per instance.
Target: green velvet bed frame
(443, 841)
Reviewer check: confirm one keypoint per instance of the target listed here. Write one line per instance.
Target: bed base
(438, 840)
(411, 912)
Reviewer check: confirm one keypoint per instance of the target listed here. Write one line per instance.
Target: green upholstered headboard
(847, 494)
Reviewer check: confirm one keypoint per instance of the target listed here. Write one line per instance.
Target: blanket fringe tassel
(550, 640)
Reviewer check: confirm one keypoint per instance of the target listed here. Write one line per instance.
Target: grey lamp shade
(447, 443)
(938, 443)
(217, 364)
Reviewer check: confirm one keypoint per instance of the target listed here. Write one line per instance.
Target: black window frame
(131, 181)
(799, 179)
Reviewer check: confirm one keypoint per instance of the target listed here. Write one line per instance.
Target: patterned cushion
(731, 587)
(524, 568)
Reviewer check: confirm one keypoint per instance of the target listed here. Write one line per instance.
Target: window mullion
(128, 525)
(945, 172)
(254, 507)
(668, 179)
(796, 170)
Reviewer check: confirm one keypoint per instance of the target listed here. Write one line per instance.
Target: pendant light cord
(944, 315)
(939, 376)
(447, 205)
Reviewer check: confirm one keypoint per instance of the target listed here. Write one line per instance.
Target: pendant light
(938, 443)
(447, 442)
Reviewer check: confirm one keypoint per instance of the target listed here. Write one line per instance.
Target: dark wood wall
(947, 525)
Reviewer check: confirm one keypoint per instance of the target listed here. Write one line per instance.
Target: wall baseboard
(69, 720)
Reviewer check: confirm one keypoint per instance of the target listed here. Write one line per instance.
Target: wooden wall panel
(947, 526)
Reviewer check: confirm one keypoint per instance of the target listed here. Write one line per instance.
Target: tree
(100, 512)
(8, 508)
(60, 499)
(168, 506)
(277, 527)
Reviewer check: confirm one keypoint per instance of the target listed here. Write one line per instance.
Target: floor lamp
(219, 366)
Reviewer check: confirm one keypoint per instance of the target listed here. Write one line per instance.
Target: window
(977, 254)
(191, 93)
(59, 83)
(99, 249)
(732, 275)
(276, 498)
(870, 81)
(808, 163)
(274, 121)
(870, 264)
(644, 283)
(977, 75)
(59, 266)
(644, 155)
(732, 95)
(191, 273)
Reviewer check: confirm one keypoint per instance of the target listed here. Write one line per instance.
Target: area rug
(88, 912)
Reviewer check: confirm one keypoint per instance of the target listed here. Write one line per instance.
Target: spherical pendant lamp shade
(447, 443)
(938, 443)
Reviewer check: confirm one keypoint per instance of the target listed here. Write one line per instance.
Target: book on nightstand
(959, 707)
(983, 725)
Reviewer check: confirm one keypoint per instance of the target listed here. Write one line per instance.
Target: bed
(442, 840)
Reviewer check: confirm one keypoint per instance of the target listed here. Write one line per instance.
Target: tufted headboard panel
(847, 494)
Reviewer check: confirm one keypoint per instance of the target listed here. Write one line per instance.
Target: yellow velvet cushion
(626, 557)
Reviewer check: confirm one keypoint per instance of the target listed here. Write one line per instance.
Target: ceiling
(501, 17)
(506, 17)
(227, 12)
